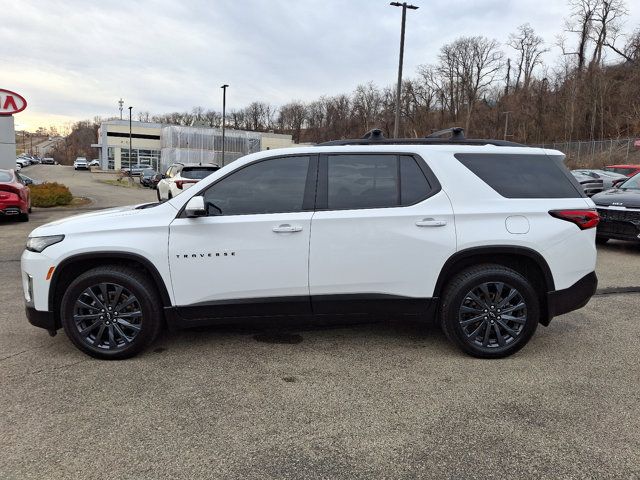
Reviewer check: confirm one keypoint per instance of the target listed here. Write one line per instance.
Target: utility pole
(224, 114)
(130, 145)
(404, 6)
(120, 104)
(506, 123)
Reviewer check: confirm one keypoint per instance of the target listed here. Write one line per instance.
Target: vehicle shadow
(408, 333)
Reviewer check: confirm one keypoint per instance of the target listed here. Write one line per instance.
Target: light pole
(130, 144)
(506, 123)
(404, 6)
(120, 104)
(224, 114)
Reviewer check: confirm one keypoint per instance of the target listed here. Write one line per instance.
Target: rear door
(382, 230)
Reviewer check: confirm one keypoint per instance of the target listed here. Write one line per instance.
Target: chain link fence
(597, 153)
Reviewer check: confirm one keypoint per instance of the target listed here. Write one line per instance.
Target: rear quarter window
(5, 177)
(523, 175)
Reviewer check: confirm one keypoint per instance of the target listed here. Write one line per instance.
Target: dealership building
(161, 145)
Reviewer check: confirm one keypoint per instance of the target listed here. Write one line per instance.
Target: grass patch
(50, 195)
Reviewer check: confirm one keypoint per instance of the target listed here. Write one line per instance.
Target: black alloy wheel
(489, 311)
(493, 314)
(111, 312)
(107, 316)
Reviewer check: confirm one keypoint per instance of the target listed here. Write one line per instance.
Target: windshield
(632, 184)
(197, 173)
(622, 170)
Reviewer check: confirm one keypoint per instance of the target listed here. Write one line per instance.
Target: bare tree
(581, 23)
(470, 65)
(606, 26)
(529, 47)
(367, 104)
(291, 118)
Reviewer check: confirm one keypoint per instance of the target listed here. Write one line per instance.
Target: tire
(601, 240)
(113, 337)
(170, 196)
(483, 332)
(158, 194)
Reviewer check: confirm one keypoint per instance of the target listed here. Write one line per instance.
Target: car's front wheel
(111, 312)
(489, 311)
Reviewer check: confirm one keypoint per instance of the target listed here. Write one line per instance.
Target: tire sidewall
(454, 329)
(150, 312)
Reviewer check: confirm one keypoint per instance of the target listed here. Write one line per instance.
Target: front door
(250, 255)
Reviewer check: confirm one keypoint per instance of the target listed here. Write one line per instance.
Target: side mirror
(195, 207)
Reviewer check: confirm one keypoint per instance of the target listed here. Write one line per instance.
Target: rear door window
(523, 175)
(373, 181)
(197, 173)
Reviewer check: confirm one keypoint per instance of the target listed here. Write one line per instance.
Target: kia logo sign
(11, 102)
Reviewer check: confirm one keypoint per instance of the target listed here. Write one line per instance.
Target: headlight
(38, 244)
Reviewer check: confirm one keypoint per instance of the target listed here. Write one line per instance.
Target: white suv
(80, 163)
(181, 176)
(488, 237)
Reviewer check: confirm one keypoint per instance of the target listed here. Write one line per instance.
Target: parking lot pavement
(386, 400)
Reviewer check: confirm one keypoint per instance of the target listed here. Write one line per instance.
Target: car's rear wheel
(111, 312)
(489, 311)
(158, 193)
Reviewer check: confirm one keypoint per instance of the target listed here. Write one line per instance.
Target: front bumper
(619, 224)
(40, 319)
(572, 298)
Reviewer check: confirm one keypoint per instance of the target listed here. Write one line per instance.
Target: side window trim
(322, 197)
(311, 182)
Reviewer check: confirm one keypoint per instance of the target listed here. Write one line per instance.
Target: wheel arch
(73, 266)
(523, 260)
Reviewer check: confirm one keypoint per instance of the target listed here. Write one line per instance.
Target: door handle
(286, 228)
(431, 222)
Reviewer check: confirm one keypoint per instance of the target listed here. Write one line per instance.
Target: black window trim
(310, 189)
(322, 197)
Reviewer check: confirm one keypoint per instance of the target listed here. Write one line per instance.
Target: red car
(628, 170)
(15, 198)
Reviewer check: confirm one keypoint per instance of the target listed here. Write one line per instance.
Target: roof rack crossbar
(457, 133)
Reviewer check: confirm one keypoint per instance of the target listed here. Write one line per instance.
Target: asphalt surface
(388, 400)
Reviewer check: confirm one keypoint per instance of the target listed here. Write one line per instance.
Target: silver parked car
(608, 178)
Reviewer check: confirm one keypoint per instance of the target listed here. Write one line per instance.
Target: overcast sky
(74, 59)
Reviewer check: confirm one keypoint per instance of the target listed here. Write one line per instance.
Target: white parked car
(488, 237)
(181, 176)
(18, 167)
(94, 163)
(80, 163)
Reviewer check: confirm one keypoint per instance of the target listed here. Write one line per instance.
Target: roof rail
(375, 136)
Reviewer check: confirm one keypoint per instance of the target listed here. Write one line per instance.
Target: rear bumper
(572, 298)
(40, 319)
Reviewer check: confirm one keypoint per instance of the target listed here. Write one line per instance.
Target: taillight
(180, 183)
(584, 219)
